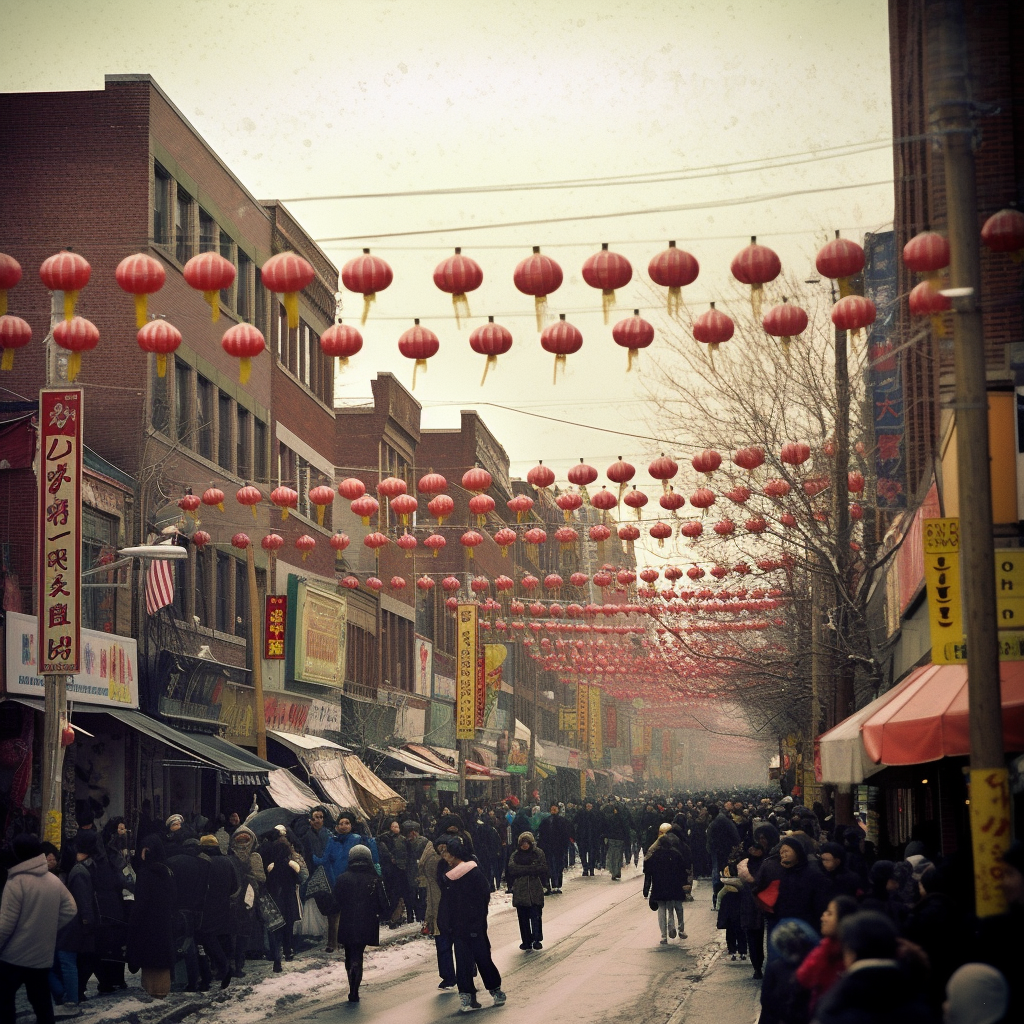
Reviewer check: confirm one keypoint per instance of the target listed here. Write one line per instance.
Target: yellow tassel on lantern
(845, 288)
(712, 348)
(220, 506)
(252, 509)
(284, 513)
(74, 365)
(481, 520)
(540, 306)
(342, 363)
(367, 299)
(675, 301)
(320, 509)
(434, 554)
(70, 298)
(607, 302)
(3, 302)
(213, 300)
(140, 312)
(491, 361)
(567, 514)
(634, 353)
(305, 555)
(559, 361)
(366, 520)
(161, 364)
(291, 307)
(244, 369)
(470, 551)
(756, 293)
(7, 362)
(420, 363)
(460, 303)
(938, 325)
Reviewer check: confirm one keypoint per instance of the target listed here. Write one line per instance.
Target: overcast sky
(337, 98)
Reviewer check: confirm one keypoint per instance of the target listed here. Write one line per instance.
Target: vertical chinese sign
(466, 672)
(60, 531)
(274, 618)
(583, 715)
(942, 578)
(594, 724)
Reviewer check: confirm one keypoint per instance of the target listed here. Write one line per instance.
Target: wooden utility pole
(256, 647)
(951, 127)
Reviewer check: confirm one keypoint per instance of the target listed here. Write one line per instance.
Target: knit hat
(360, 854)
(208, 840)
(456, 847)
(87, 842)
(281, 830)
(976, 994)
(175, 819)
(528, 837)
(663, 828)
(410, 825)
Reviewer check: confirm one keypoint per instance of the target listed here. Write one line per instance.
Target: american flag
(159, 585)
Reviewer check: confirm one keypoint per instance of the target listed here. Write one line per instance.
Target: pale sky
(331, 98)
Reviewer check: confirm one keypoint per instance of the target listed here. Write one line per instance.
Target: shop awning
(429, 756)
(325, 762)
(417, 764)
(291, 793)
(843, 758)
(378, 794)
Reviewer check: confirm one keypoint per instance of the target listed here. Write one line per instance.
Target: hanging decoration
(214, 497)
(795, 453)
(660, 532)
(321, 497)
(534, 537)
(566, 537)
(636, 500)
(341, 341)
(305, 544)
(853, 313)
(739, 495)
(350, 583)
(756, 265)
(376, 585)
(664, 469)
(927, 253)
(249, 495)
(785, 322)
(210, 273)
(407, 542)
(619, 472)
(749, 458)
(926, 300)
(840, 260)
(607, 271)
(505, 538)
(404, 505)
(561, 339)
(540, 477)
(366, 275)
(351, 488)
(376, 540)
(140, 275)
(458, 275)
(201, 538)
(724, 527)
(633, 333)
(470, 539)
(706, 462)
(605, 500)
(240, 541)
(160, 338)
(713, 328)
(1002, 232)
(66, 272)
(391, 486)
(538, 276)
(673, 269)
(568, 502)
(364, 507)
(855, 482)
(440, 507)
(189, 504)
(244, 342)
(419, 343)
(76, 336)
(481, 505)
(491, 340)
(10, 275)
(425, 583)
(339, 542)
(582, 476)
(432, 483)
(288, 274)
(628, 532)
(284, 498)
(477, 480)
(672, 500)
(434, 542)
(756, 525)
(14, 333)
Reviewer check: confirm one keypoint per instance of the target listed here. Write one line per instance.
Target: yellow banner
(594, 723)
(942, 578)
(990, 837)
(1009, 588)
(465, 669)
(582, 714)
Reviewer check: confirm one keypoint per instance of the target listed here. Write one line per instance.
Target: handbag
(318, 889)
(768, 897)
(270, 913)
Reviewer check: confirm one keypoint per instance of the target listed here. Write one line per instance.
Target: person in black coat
(151, 945)
(80, 936)
(214, 934)
(444, 941)
(553, 839)
(722, 839)
(588, 836)
(360, 899)
(666, 873)
(191, 877)
(282, 871)
(842, 881)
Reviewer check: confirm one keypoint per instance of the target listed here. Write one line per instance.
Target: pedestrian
(81, 881)
(335, 862)
(616, 835)
(588, 837)
(722, 839)
(415, 883)
(730, 917)
(802, 890)
(783, 1000)
(151, 944)
(191, 878)
(314, 842)
(842, 881)
(223, 887)
(360, 899)
(554, 841)
(470, 894)
(528, 878)
(976, 994)
(666, 873)
(243, 909)
(282, 869)
(34, 907)
(444, 938)
(822, 967)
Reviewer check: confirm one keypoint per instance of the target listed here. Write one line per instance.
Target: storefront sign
(109, 674)
(567, 719)
(238, 714)
(321, 627)
(59, 607)
(422, 665)
(444, 687)
(1009, 588)
(285, 713)
(323, 717)
(596, 736)
(583, 714)
(274, 617)
(942, 578)
(611, 726)
(466, 671)
(991, 834)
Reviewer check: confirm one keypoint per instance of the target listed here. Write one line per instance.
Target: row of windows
(212, 590)
(193, 411)
(295, 472)
(299, 350)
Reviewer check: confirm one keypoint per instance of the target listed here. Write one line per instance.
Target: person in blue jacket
(335, 861)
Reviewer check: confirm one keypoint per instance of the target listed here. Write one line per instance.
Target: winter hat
(281, 830)
(87, 842)
(528, 836)
(360, 854)
(208, 840)
(26, 847)
(663, 828)
(976, 994)
(410, 825)
(913, 849)
(175, 819)
(793, 939)
(456, 847)
(796, 844)
(835, 849)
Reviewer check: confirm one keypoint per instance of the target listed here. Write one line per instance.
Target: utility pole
(951, 127)
(256, 648)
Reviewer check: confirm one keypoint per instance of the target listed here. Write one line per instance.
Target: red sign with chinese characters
(274, 618)
(60, 530)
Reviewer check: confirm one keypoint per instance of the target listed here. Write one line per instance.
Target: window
(99, 546)
(243, 448)
(303, 478)
(200, 599)
(223, 600)
(243, 293)
(159, 402)
(208, 232)
(261, 471)
(241, 598)
(183, 402)
(183, 226)
(261, 305)
(161, 212)
(204, 417)
(304, 352)
(286, 471)
(224, 439)
(226, 252)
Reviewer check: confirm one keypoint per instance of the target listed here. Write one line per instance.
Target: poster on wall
(444, 687)
(422, 665)
(109, 674)
(321, 631)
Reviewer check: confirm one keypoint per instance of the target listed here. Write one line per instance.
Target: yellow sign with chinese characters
(942, 578)
(465, 672)
(990, 837)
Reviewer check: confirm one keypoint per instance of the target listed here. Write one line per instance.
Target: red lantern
(756, 525)
(620, 473)
(189, 504)
(457, 275)
(397, 583)
(749, 458)
(365, 507)
(579, 579)
(608, 271)
(702, 498)
(367, 275)
(284, 498)
(76, 336)
(375, 584)
(14, 333)
(633, 333)
(375, 541)
(201, 538)
(535, 536)
(351, 488)
(339, 541)
(756, 265)
(161, 338)
(140, 275)
(787, 519)
(706, 462)
(719, 572)
(342, 341)
(855, 482)
(425, 583)
(434, 542)
(244, 342)
(305, 544)
(481, 505)
(530, 582)
(695, 573)
(628, 532)
(476, 480)
(566, 537)
(404, 506)
(214, 496)
(66, 272)
(469, 540)
(321, 497)
(599, 533)
(713, 328)
(240, 541)
(814, 486)
(505, 538)
(540, 476)
(504, 583)
(739, 495)
(561, 339)
(538, 276)
(432, 483)
(491, 340)
(552, 581)
(840, 260)
(672, 500)
(926, 300)
(1002, 232)
(605, 500)
(10, 275)
(391, 487)
(795, 453)
(210, 273)
(853, 313)
(927, 253)
(568, 502)
(776, 488)
(785, 322)
(419, 343)
(673, 269)
(636, 500)
(350, 583)
(856, 511)
(582, 475)
(288, 274)
(724, 528)
(249, 495)
(660, 531)
(664, 469)
(602, 579)
(440, 507)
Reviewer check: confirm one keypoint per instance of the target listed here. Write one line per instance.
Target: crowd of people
(835, 935)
